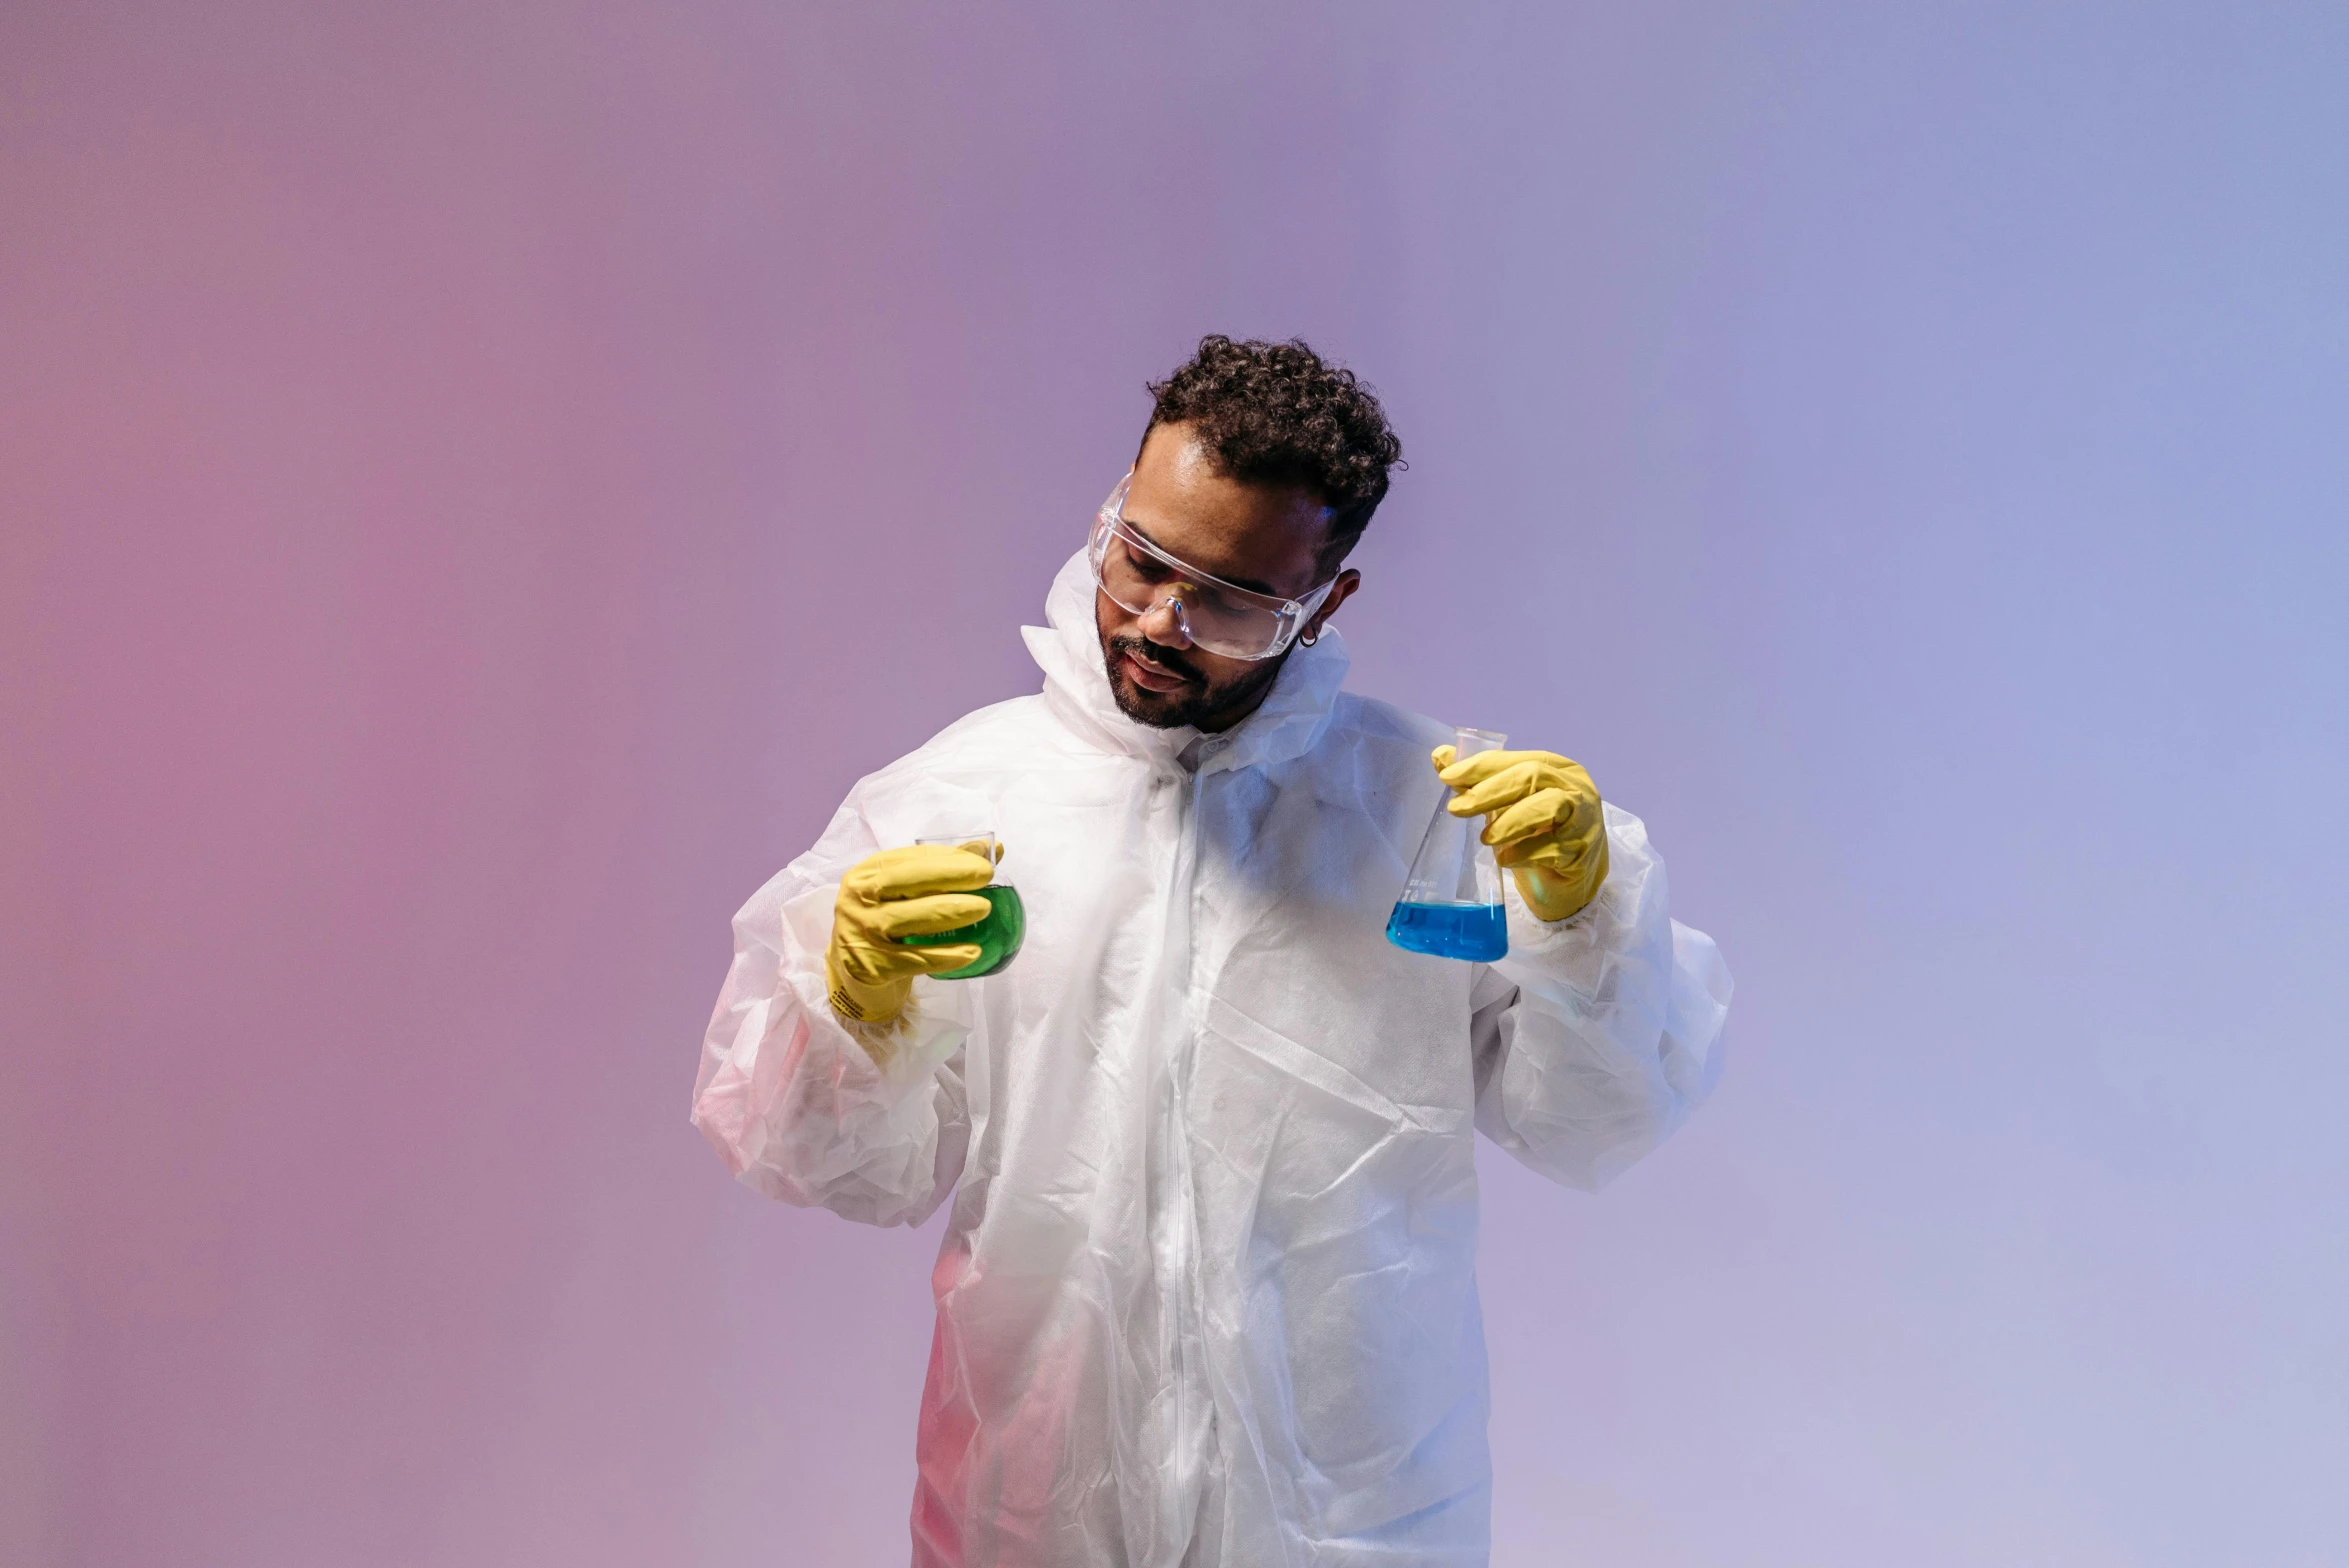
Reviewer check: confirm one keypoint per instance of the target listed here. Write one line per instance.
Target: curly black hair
(1278, 414)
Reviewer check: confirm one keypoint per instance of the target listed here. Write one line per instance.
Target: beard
(1201, 704)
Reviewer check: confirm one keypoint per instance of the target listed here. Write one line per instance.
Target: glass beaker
(1000, 934)
(1451, 906)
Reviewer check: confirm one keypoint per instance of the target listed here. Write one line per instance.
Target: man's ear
(1340, 590)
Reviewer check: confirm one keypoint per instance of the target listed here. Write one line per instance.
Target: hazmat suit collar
(1076, 688)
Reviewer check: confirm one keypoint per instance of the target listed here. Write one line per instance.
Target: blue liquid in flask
(1477, 932)
(1451, 904)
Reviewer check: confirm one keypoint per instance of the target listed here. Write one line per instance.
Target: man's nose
(1165, 624)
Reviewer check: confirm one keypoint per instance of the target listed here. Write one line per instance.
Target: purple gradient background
(480, 481)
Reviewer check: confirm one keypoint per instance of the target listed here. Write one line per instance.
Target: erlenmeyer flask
(1451, 906)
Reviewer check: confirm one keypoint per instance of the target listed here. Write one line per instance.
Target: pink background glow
(477, 482)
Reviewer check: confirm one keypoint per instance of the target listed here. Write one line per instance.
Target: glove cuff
(861, 1002)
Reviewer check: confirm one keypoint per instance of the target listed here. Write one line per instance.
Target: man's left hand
(1544, 822)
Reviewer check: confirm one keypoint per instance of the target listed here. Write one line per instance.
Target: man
(1206, 1298)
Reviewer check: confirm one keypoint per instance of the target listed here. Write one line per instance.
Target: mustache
(1164, 658)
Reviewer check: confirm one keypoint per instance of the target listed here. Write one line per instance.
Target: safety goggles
(1221, 617)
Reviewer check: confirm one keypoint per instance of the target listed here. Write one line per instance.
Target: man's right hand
(900, 892)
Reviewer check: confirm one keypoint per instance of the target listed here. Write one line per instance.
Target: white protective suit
(1207, 1296)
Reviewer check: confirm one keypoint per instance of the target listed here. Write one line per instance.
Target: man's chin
(1196, 703)
(1167, 710)
(1196, 706)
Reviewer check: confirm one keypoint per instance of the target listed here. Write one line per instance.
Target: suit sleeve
(795, 1104)
(1598, 1034)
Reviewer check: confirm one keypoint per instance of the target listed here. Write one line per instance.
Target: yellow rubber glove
(1544, 822)
(917, 891)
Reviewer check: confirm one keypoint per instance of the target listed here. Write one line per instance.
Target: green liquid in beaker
(999, 935)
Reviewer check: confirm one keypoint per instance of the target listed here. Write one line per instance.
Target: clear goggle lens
(1221, 617)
